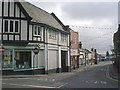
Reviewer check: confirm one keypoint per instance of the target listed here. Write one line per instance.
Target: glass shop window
(22, 59)
(7, 61)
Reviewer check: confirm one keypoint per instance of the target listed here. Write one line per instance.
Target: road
(96, 76)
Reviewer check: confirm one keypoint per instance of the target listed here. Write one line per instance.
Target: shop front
(22, 61)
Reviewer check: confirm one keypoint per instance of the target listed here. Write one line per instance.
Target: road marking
(36, 86)
(103, 82)
(23, 78)
(30, 85)
(62, 85)
(86, 81)
(108, 75)
(7, 79)
(95, 82)
(53, 80)
(14, 78)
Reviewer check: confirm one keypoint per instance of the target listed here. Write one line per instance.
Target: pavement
(113, 73)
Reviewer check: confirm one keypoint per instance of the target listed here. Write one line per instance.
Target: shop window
(22, 59)
(7, 59)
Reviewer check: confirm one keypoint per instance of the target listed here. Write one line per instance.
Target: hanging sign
(36, 50)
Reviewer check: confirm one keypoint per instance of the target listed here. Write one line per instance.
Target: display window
(22, 59)
(7, 61)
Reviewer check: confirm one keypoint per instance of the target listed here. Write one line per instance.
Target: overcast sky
(96, 20)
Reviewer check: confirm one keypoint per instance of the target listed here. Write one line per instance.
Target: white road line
(14, 78)
(103, 82)
(95, 82)
(53, 80)
(29, 85)
(86, 81)
(62, 85)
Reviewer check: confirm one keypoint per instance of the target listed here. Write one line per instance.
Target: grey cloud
(88, 10)
(102, 14)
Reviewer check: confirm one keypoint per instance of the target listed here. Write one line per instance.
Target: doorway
(64, 59)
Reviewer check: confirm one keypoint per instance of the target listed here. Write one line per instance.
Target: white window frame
(41, 30)
(13, 26)
(64, 37)
(52, 34)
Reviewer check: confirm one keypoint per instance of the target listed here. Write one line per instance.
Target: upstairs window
(11, 26)
(16, 26)
(6, 26)
(38, 30)
(38, 33)
(35, 32)
(63, 37)
(52, 34)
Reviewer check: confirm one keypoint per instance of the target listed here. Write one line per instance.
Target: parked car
(103, 59)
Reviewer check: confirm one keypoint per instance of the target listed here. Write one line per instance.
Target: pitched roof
(40, 16)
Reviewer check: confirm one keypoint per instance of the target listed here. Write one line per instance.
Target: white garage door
(52, 59)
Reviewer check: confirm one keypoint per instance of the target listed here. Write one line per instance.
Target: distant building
(85, 57)
(74, 47)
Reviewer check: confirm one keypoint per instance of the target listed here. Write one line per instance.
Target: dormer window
(37, 33)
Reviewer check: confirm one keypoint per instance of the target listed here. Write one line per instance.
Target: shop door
(64, 61)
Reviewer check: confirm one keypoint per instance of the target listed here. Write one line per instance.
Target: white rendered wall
(23, 30)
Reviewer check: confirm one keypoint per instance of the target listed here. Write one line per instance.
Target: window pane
(39, 30)
(11, 26)
(35, 30)
(21, 61)
(50, 33)
(16, 26)
(6, 26)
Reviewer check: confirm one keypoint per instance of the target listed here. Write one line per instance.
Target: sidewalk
(113, 72)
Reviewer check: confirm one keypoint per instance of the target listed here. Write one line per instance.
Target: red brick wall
(74, 39)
